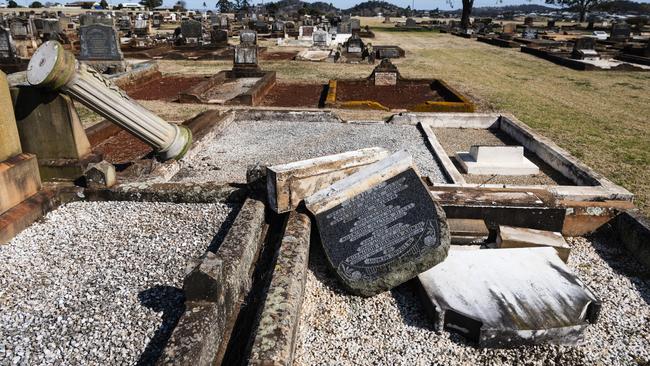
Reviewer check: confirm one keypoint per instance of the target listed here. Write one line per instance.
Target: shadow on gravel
(410, 305)
(223, 230)
(608, 246)
(171, 302)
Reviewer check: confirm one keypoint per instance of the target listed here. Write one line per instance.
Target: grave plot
(245, 84)
(585, 54)
(268, 138)
(165, 88)
(635, 53)
(278, 56)
(296, 95)
(386, 90)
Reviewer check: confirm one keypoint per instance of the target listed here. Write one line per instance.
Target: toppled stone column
(53, 67)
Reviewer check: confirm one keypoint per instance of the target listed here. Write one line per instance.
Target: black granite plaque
(99, 42)
(385, 235)
(191, 29)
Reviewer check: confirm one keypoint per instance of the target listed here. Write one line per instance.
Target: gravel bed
(246, 143)
(454, 140)
(99, 283)
(392, 328)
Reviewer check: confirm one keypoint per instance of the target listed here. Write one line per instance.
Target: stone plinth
(19, 180)
(9, 139)
(499, 160)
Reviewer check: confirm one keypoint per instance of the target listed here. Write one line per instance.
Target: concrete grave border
(592, 202)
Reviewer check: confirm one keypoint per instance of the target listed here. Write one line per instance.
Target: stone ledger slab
(509, 297)
(380, 227)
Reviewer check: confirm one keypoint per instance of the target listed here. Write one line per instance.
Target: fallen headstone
(380, 227)
(517, 237)
(288, 184)
(509, 297)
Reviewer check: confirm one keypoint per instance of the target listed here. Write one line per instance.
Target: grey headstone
(51, 26)
(248, 37)
(411, 23)
(320, 38)
(380, 227)
(388, 52)
(7, 47)
(99, 42)
(355, 44)
(620, 32)
(191, 29)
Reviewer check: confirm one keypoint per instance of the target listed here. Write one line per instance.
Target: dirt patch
(404, 95)
(163, 88)
(296, 95)
(122, 148)
(278, 56)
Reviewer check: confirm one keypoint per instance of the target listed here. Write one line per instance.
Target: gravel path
(392, 328)
(246, 143)
(98, 283)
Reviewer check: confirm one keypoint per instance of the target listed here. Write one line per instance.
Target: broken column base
(107, 67)
(19, 180)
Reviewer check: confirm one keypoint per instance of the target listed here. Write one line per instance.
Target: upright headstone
(156, 20)
(21, 28)
(142, 27)
(320, 38)
(100, 48)
(620, 32)
(509, 29)
(380, 227)
(192, 31)
(529, 33)
(96, 18)
(550, 23)
(218, 37)
(7, 46)
(354, 44)
(245, 57)
(529, 21)
(385, 73)
(584, 49)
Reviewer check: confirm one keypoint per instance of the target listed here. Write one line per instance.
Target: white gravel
(392, 328)
(247, 143)
(98, 283)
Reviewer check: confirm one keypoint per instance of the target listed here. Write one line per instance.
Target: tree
(581, 6)
(36, 4)
(151, 4)
(225, 6)
(245, 6)
(12, 4)
(180, 5)
(103, 4)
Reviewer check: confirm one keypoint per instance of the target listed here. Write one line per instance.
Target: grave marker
(99, 42)
(620, 32)
(7, 46)
(192, 31)
(380, 227)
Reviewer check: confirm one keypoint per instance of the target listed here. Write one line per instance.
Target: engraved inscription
(387, 223)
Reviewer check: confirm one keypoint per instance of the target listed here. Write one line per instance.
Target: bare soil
(277, 56)
(122, 148)
(164, 88)
(296, 95)
(404, 95)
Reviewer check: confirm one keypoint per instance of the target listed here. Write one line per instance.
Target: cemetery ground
(600, 117)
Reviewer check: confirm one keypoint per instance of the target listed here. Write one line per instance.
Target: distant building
(132, 6)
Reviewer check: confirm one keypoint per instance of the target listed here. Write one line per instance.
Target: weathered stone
(289, 184)
(99, 42)
(516, 237)
(380, 227)
(508, 297)
(19, 179)
(53, 67)
(9, 139)
(50, 128)
(191, 30)
(100, 175)
(275, 337)
(214, 289)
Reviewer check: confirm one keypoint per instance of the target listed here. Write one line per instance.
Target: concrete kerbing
(633, 230)
(289, 116)
(276, 333)
(170, 192)
(203, 330)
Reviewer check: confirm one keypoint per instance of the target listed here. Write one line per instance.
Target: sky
(344, 4)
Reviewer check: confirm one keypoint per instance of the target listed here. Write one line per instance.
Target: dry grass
(600, 117)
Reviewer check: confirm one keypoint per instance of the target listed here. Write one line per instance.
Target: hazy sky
(419, 4)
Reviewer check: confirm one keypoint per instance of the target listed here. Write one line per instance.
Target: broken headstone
(517, 237)
(288, 184)
(380, 227)
(509, 297)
